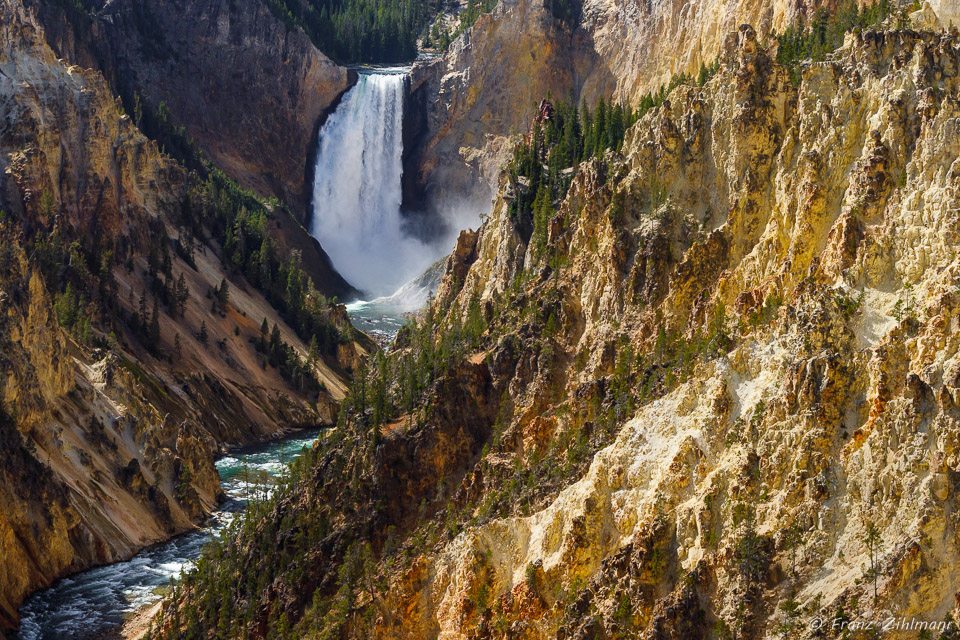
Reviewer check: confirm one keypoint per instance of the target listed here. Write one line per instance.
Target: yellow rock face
(483, 90)
(836, 205)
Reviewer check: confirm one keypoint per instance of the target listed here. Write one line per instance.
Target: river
(357, 218)
(92, 603)
(95, 602)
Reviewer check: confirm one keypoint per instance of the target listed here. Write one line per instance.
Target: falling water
(357, 192)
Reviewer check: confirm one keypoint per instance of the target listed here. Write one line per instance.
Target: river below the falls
(358, 220)
(93, 603)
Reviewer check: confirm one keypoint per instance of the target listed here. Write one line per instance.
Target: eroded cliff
(711, 394)
(244, 91)
(132, 348)
(805, 238)
(480, 92)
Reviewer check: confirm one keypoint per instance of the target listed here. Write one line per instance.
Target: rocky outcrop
(718, 386)
(797, 467)
(463, 106)
(108, 442)
(482, 90)
(247, 90)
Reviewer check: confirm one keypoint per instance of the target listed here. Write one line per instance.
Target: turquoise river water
(92, 603)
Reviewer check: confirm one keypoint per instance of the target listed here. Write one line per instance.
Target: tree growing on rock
(153, 333)
(181, 295)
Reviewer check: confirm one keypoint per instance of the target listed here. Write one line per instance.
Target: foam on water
(382, 317)
(357, 189)
(91, 603)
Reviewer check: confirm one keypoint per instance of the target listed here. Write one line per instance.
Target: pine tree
(154, 330)
(203, 333)
(48, 204)
(182, 295)
(166, 264)
(276, 346)
(589, 135)
(142, 308)
(873, 541)
(616, 129)
(793, 538)
(223, 295)
(153, 259)
(600, 127)
(67, 308)
(264, 332)
(265, 273)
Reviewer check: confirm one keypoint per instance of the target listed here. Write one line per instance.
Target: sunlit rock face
(483, 89)
(708, 392)
(822, 222)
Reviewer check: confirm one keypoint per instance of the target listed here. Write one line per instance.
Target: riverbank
(136, 627)
(115, 601)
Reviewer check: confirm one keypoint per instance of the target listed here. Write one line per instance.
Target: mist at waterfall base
(356, 204)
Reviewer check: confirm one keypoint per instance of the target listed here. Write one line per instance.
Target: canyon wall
(108, 441)
(804, 235)
(248, 91)
(711, 392)
(481, 91)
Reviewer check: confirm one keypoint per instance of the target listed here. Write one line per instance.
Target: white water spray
(357, 191)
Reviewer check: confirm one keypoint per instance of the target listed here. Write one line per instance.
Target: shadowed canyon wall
(247, 90)
(109, 448)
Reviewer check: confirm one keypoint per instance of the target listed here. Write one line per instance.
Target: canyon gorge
(659, 311)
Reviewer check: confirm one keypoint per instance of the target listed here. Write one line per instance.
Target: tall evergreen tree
(154, 330)
(223, 295)
(276, 346)
(182, 295)
(264, 332)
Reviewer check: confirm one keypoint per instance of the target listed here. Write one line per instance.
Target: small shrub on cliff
(849, 305)
(752, 555)
(624, 611)
(468, 17)
(531, 577)
(873, 541)
(767, 313)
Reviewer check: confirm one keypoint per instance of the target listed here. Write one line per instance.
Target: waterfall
(357, 192)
